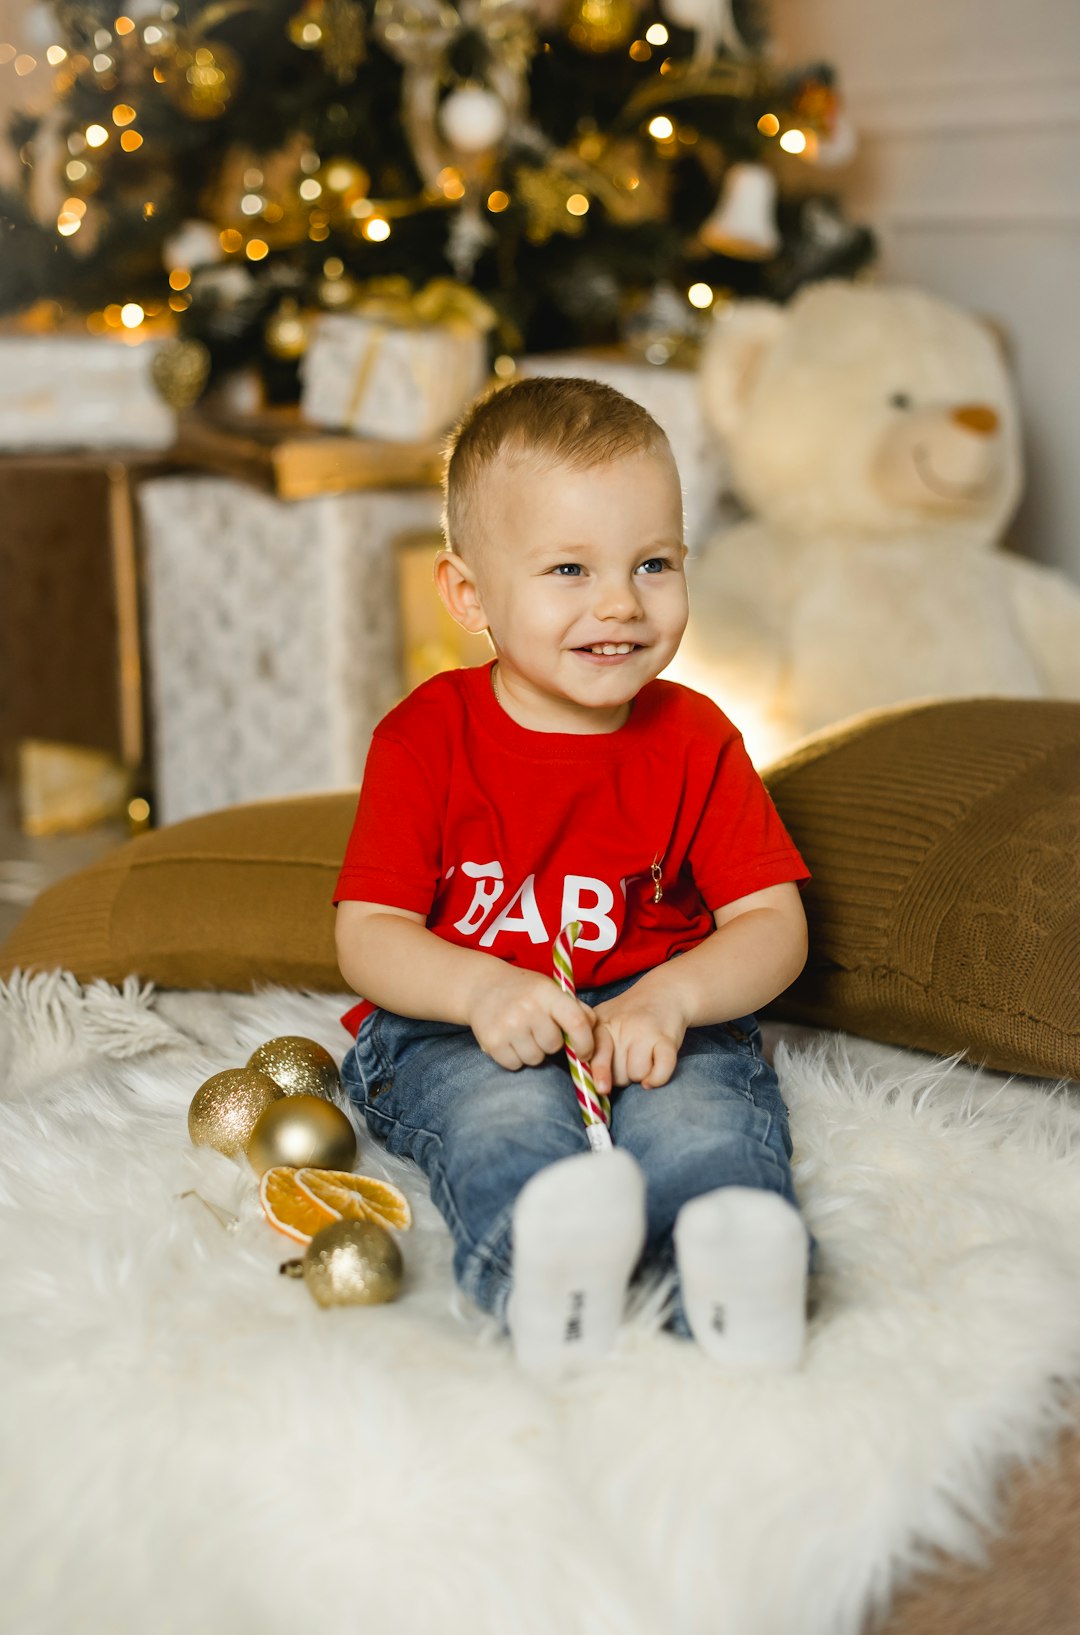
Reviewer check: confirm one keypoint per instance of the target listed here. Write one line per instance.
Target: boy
(563, 782)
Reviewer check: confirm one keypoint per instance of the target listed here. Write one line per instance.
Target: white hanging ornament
(743, 225)
(473, 118)
(713, 22)
(194, 244)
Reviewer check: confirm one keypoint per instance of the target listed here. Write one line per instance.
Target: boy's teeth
(612, 647)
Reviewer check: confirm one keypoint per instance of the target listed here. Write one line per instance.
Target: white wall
(969, 169)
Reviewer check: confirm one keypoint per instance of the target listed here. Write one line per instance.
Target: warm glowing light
(123, 114)
(112, 315)
(159, 75)
(179, 303)
(179, 278)
(640, 51)
(66, 223)
(76, 142)
(131, 314)
(96, 136)
(341, 176)
(130, 140)
(310, 189)
(74, 170)
(768, 124)
(256, 249)
(377, 229)
(497, 201)
(656, 34)
(504, 366)
(311, 33)
(700, 295)
(661, 128)
(577, 204)
(318, 232)
(149, 209)
(153, 35)
(74, 207)
(138, 809)
(361, 208)
(25, 64)
(6, 53)
(251, 204)
(123, 25)
(333, 267)
(309, 162)
(55, 55)
(102, 63)
(253, 177)
(793, 141)
(102, 38)
(95, 323)
(272, 212)
(230, 240)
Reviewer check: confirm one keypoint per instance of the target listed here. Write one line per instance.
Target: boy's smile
(578, 579)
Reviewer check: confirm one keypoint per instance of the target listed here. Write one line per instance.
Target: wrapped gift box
(382, 379)
(80, 392)
(273, 634)
(671, 393)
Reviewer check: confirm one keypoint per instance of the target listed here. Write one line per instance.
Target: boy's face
(579, 580)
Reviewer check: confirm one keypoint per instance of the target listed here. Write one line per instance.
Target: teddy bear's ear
(734, 346)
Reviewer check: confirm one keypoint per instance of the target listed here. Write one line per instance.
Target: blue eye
(567, 570)
(655, 564)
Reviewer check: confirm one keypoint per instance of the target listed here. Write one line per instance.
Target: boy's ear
(456, 584)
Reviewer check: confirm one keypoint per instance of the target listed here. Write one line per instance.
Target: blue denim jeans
(479, 1131)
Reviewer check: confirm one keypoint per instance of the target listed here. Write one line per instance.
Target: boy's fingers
(664, 1057)
(600, 1066)
(639, 1060)
(572, 1019)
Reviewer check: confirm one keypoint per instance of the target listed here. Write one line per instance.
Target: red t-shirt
(499, 835)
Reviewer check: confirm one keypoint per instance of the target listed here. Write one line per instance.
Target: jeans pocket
(367, 1072)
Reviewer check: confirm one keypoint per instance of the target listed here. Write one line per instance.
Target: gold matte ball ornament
(299, 1130)
(300, 1066)
(353, 1263)
(225, 1110)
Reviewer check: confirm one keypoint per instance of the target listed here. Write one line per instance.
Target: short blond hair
(556, 420)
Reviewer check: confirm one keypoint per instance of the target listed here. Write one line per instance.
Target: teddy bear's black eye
(900, 400)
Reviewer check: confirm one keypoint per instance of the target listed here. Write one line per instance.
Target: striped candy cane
(595, 1108)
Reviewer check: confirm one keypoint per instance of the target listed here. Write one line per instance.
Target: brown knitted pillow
(228, 900)
(944, 909)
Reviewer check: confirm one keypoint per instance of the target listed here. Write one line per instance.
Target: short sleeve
(740, 844)
(394, 851)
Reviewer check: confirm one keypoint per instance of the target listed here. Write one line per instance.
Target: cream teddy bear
(872, 435)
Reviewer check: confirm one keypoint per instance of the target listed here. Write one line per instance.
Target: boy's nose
(617, 600)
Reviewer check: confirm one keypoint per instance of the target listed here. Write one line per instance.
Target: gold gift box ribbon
(393, 301)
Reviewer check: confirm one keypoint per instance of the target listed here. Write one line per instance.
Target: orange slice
(357, 1197)
(291, 1208)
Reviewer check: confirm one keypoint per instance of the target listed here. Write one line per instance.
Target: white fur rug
(192, 1445)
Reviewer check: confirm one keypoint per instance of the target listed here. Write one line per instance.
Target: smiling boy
(563, 782)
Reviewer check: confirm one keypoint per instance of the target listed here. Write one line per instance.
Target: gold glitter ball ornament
(299, 1130)
(298, 1065)
(180, 370)
(225, 1110)
(353, 1263)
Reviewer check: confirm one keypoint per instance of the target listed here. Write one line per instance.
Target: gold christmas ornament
(600, 25)
(288, 330)
(298, 1065)
(199, 79)
(225, 1110)
(180, 370)
(353, 1263)
(299, 1130)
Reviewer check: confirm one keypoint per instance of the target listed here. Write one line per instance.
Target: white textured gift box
(672, 396)
(80, 391)
(273, 634)
(380, 379)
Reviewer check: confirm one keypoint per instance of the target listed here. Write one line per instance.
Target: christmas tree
(596, 170)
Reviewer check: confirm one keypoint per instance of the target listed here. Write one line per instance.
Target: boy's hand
(637, 1040)
(518, 1018)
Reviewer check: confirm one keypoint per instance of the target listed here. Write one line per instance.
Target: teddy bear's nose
(976, 417)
